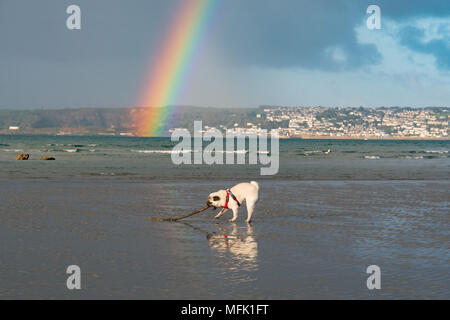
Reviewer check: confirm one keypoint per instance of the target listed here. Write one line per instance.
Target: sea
(334, 208)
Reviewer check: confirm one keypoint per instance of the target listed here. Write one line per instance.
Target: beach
(318, 225)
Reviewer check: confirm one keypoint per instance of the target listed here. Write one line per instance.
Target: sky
(253, 52)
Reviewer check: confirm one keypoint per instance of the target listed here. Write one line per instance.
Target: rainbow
(171, 65)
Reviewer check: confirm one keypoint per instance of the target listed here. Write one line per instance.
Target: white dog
(234, 197)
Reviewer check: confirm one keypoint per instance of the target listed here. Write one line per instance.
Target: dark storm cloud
(295, 33)
(106, 62)
(110, 29)
(300, 33)
(287, 33)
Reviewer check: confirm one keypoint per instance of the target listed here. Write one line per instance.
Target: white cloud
(337, 54)
(396, 58)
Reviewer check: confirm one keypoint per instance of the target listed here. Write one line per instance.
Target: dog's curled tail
(255, 184)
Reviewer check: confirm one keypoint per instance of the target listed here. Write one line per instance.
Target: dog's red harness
(229, 193)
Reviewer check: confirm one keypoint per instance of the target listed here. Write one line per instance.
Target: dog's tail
(255, 184)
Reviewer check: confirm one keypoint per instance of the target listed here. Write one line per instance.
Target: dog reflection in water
(242, 245)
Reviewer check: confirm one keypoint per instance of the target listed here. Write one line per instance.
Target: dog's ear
(216, 198)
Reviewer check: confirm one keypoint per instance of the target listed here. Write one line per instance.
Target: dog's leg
(235, 214)
(250, 207)
(221, 213)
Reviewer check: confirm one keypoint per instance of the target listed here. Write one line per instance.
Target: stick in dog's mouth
(210, 205)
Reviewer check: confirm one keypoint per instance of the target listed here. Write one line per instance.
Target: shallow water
(150, 159)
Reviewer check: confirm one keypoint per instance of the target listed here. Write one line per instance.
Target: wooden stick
(182, 217)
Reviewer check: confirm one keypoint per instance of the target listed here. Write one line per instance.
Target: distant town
(370, 123)
(347, 123)
(291, 122)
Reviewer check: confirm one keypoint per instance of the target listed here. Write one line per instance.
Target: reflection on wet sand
(239, 244)
(242, 245)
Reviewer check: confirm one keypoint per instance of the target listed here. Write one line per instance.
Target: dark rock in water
(23, 156)
(48, 158)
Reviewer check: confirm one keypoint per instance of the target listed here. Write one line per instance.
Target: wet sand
(309, 239)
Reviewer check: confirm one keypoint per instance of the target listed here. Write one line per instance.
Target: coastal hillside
(303, 122)
(88, 121)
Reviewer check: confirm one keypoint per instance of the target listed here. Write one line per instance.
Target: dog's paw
(217, 217)
(232, 220)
